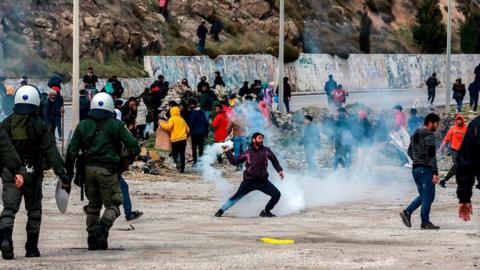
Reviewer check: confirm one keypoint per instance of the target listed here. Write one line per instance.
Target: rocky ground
(178, 231)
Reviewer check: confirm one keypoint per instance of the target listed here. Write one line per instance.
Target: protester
(215, 30)
(90, 83)
(207, 98)
(141, 120)
(220, 124)
(310, 141)
(179, 131)
(414, 122)
(117, 87)
(118, 104)
(163, 8)
(218, 81)
(468, 167)
(149, 101)
(269, 94)
(203, 80)
(339, 96)
(422, 151)
(343, 140)
(454, 137)
(287, 93)
(199, 127)
(255, 176)
(236, 127)
(364, 130)
(330, 85)
(474, 89)
(84, 104)
(53, 113)
(432, 83)
(129, 114)
(459, 93)
(233, 100)
(244, 90)
(55, 84)
(202, 32)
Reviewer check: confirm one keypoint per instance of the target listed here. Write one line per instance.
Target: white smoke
(367, 180)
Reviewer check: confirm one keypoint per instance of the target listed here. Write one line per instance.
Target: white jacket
(141, 114)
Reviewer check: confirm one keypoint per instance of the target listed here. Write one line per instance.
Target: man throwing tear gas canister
(100, 139)
(255, 176)
(35, 145)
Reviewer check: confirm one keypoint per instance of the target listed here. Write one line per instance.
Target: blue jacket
(198, 123)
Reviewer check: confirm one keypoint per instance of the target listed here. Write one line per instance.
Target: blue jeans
(426, 189)
(310, 156)
(239, 143)
(127, 203)
(459, 104)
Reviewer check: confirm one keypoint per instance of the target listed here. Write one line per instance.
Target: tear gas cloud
(369, 177)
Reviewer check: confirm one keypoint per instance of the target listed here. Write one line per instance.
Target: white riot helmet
(101, 106)
(27, 100)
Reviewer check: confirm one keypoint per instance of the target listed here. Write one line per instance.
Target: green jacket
(8, 156)
(34, 142)
(100, 142)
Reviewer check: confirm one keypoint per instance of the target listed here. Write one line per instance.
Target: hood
(175, 111)
(460, 117)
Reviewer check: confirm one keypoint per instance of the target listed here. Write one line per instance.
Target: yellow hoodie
(177, 127)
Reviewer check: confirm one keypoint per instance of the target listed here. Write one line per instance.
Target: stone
(99, 55)
(91, 22)
(42, 23)
(53, 50)
(258, 8)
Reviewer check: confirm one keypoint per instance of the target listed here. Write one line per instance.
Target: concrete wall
(309, 72)
(133, 86)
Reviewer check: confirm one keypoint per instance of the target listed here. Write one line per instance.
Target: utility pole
(76, 64)
(281, 64)
(449, 57)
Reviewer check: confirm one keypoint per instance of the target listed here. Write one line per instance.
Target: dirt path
(178, 231)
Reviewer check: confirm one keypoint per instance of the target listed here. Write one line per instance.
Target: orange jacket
(455, 134)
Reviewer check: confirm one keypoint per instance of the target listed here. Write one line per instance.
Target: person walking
(141, 120)
(236, 127)
(34, 144)
(432, 83)
(343, 140)
(179, 131)
(99, 138)
(287, 94)
(330, 85)
(454, 137)
(339, 96)
(255, 176)
(459, 93)
(422, 151)
(199, 126)
(473, 90)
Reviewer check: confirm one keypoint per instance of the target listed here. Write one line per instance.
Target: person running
(255, 176)
(454, 137)
(310, 141)
(432, 83)
(339, 96)
(179, 131)
(414, 122)
(425, 172)
(459, 93)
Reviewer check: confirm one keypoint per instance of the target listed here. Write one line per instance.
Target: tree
(429, 32)
(365, 30)
(470, 33)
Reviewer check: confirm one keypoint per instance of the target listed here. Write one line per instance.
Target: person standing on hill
(202, 32)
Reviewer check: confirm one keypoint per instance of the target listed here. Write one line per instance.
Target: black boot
(92, 242)
(100, 232)
(6, 246)
(31, 247)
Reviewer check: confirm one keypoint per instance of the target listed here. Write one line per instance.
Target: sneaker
(219, 213)
(429, 226)
(265, 213)
(134, 215)
(406, 218)
(442, 183)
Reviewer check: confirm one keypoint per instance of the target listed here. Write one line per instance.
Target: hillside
(35, 36)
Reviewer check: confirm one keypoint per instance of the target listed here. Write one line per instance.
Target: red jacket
(220, 125)
(455, 134)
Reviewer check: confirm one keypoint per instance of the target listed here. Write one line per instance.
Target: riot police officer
(37, 150)
(100, 140)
